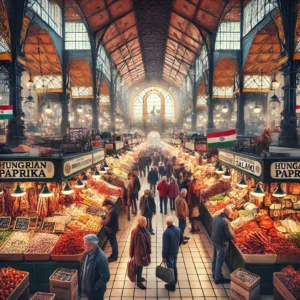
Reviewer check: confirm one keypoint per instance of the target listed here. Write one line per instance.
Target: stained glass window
(228, 37)
(257, 81)
(201, 63)
(50, 12)
(255, 11)
(48, 82)
(103, 63)
(76, 36)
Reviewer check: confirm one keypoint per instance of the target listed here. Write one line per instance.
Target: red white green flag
(222, 139)
(6, 112)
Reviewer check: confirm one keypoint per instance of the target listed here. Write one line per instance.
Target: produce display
(10, 279)
(114, 180)
(63, 275)
(244, 276)
(42, 243)
(4, 235)
(17, 243)
(291, 279)
(69, 243)
(43, 296)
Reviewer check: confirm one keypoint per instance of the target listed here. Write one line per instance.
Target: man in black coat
(153, 179)
(111, 227)
(148, 209)
(172, 239)
(94, 272)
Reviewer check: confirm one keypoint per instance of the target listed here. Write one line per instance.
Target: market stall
(47, 205)
(264, 193)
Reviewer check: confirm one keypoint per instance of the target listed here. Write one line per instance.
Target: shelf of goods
(47, 205)
(266, 211)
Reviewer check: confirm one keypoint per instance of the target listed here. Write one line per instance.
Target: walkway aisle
(194, 266)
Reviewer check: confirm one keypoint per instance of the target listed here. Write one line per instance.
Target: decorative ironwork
(76, 36)
(257, 82)
(49, 81)
(4, 29)
(228, 37)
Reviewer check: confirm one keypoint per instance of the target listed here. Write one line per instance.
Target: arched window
(153, 105)
(228, 37)
(3, 45)
(201, 63)
(76, 36)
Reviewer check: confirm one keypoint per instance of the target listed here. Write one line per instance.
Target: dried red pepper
(291, 279)
(69, 243)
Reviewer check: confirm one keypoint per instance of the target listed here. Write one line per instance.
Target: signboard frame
(19, 218)
(4, 228)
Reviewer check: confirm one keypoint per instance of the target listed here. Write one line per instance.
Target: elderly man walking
(182, 211)
(95, 272)
(221, 234)
(172, 239)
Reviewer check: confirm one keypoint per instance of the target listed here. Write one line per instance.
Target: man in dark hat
(111, 227)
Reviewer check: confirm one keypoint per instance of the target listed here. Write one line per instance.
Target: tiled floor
(194, 267)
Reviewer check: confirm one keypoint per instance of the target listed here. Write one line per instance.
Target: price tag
(22, 224)
(4, 223)
(48, 227)
(33, 222)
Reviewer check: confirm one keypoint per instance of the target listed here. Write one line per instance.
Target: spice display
(69, 243)
(9, 280)
(84, 218)
(59, 219)
(17, 243)
(218, 206)
(291, 279)
(218, 197)
(103, 188)
(215, 189)
(244, 276)
(114, 180)
(93, 225)
(95, 210)
(42, 243)
(284, 246)
(295, 237)
(4, 235)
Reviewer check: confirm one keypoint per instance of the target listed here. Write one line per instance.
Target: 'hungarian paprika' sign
(285, 170)
(26, 169)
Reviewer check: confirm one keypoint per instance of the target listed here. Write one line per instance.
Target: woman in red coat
(173, 193)
(140, 249)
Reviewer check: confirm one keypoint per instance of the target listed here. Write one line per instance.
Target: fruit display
(17, 243)
(69, 243)
(42, 243)
(10, 279)
(291, 279)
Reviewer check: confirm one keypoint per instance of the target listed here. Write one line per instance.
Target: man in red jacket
(163, 191)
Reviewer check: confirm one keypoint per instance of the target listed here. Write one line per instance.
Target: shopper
(140, 249)
(182, 211)
(173, 193)
(148, 162)
(94, 272)
(142, 166)
(172, 239)
(153, 179)
(125, 200)
(193, 204)
(161, 170)
(163, 190)
(221, 234)
(169, 171)
(111, 227)
(148, 209)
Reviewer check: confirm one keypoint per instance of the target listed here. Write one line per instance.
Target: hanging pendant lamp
(258, 192)
(67, 190)
(227, 174)
(79, 184)
(220, 170)
(46, 192)
(242, 184)
(18, 192)
(279, 192)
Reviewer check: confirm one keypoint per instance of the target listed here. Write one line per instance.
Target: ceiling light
(193, 155)
(103, 170)
(274, 84)
(85, 178)
(274, 102)
(48, 109)
(46, 192)
(30, 84)
(18, 192)
(257, 109)
(204, 158)
(220, 170)
(258, 192)
(242, 184)
(96, 174)
(227, 174)
(224, 109)
(279, 192)
(67, 190)
(79, 109)
(217, 165)
(79, 184)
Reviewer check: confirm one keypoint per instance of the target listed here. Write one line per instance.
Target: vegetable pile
(9, 281)
(17, 243)
(4, 235)
(291, 279)
(69, 243)
(42, 243)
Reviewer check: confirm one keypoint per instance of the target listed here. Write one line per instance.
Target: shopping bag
(131, 270)
(164, 273)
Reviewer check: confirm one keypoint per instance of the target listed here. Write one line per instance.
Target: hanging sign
(77, 164)
(98, 156)
(226, 157)
(26, 169)
(109, 146)
(4, 223)
(48, 227)
(119, 145)
(190, 146)
(248, 165)
(285, 170)
(22, 224)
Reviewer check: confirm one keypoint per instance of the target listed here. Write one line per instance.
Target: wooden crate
(59, 287)
(239, 293)
(37, 295)
(21, 289)
(243, 284)
(280, 291)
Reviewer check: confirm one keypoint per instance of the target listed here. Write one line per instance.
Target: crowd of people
(174, 185)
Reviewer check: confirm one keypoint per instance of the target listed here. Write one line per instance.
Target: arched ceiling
(225, 71)
(47, 62)
(80, 73)
(154, 39)
(265, 53)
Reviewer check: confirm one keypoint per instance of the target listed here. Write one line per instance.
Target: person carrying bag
(164, 273)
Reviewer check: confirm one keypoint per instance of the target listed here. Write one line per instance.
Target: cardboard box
(72, 296)
(239, 293)
(59, 287)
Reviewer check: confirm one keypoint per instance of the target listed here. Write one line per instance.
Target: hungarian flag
(297, 109)
(222, 139)
(6, 112)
